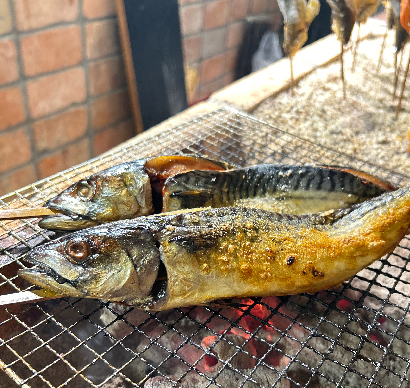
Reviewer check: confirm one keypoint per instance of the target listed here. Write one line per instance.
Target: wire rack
(355, 336)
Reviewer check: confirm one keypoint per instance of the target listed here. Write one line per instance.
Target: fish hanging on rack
(345, 13)
(343, 20)
(195, 257)
(298, 16)
(362, 9)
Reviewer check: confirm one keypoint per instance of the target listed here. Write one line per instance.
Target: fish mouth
(46, 277)
(65, 222)
(50, 281)
(71, 216)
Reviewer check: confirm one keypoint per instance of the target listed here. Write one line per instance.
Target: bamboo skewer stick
(25, 213)
(35, 296)
(397, 70)
(379, 63)
(342, 72)
(402, 88)
(29, 297)
(292, 79)
(355, 48)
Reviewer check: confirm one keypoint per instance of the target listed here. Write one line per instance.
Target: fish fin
(195, 241)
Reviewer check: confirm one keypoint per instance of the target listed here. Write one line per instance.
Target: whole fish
(343, 19)
(279, 188)
(145, 186)
(298, 16)
(172, 260)
(120, 192)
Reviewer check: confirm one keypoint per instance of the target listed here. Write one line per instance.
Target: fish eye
(85, 190)
(77, 250)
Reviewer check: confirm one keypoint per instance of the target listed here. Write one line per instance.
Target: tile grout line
(27, 122)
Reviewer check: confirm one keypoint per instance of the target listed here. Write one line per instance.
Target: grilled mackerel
(136, 189)
(279, 188)
(172, 260)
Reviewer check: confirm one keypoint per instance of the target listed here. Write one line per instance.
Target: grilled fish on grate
(188, 258)
(137, 188)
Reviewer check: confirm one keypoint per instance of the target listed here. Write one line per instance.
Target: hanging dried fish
(362, 10)
(297, 15)
(365, 9)
(343, 19)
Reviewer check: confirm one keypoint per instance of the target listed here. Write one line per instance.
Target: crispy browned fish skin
(120, 192)
(173, 260)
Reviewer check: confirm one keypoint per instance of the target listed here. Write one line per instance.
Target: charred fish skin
(124, 191)
(279, 188)
(194, 257)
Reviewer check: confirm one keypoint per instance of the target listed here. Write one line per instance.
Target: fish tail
(381, 207)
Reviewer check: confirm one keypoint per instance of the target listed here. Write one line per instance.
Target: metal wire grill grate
(355, 336)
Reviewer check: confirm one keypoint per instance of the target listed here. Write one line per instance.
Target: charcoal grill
(357, 335)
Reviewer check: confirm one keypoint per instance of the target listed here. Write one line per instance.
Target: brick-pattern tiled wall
(212, 31)
(63, 92)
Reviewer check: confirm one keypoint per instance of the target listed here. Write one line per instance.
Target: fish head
(103, 263)
(117, 193)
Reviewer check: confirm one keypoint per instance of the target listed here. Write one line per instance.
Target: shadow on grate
(355, 336)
